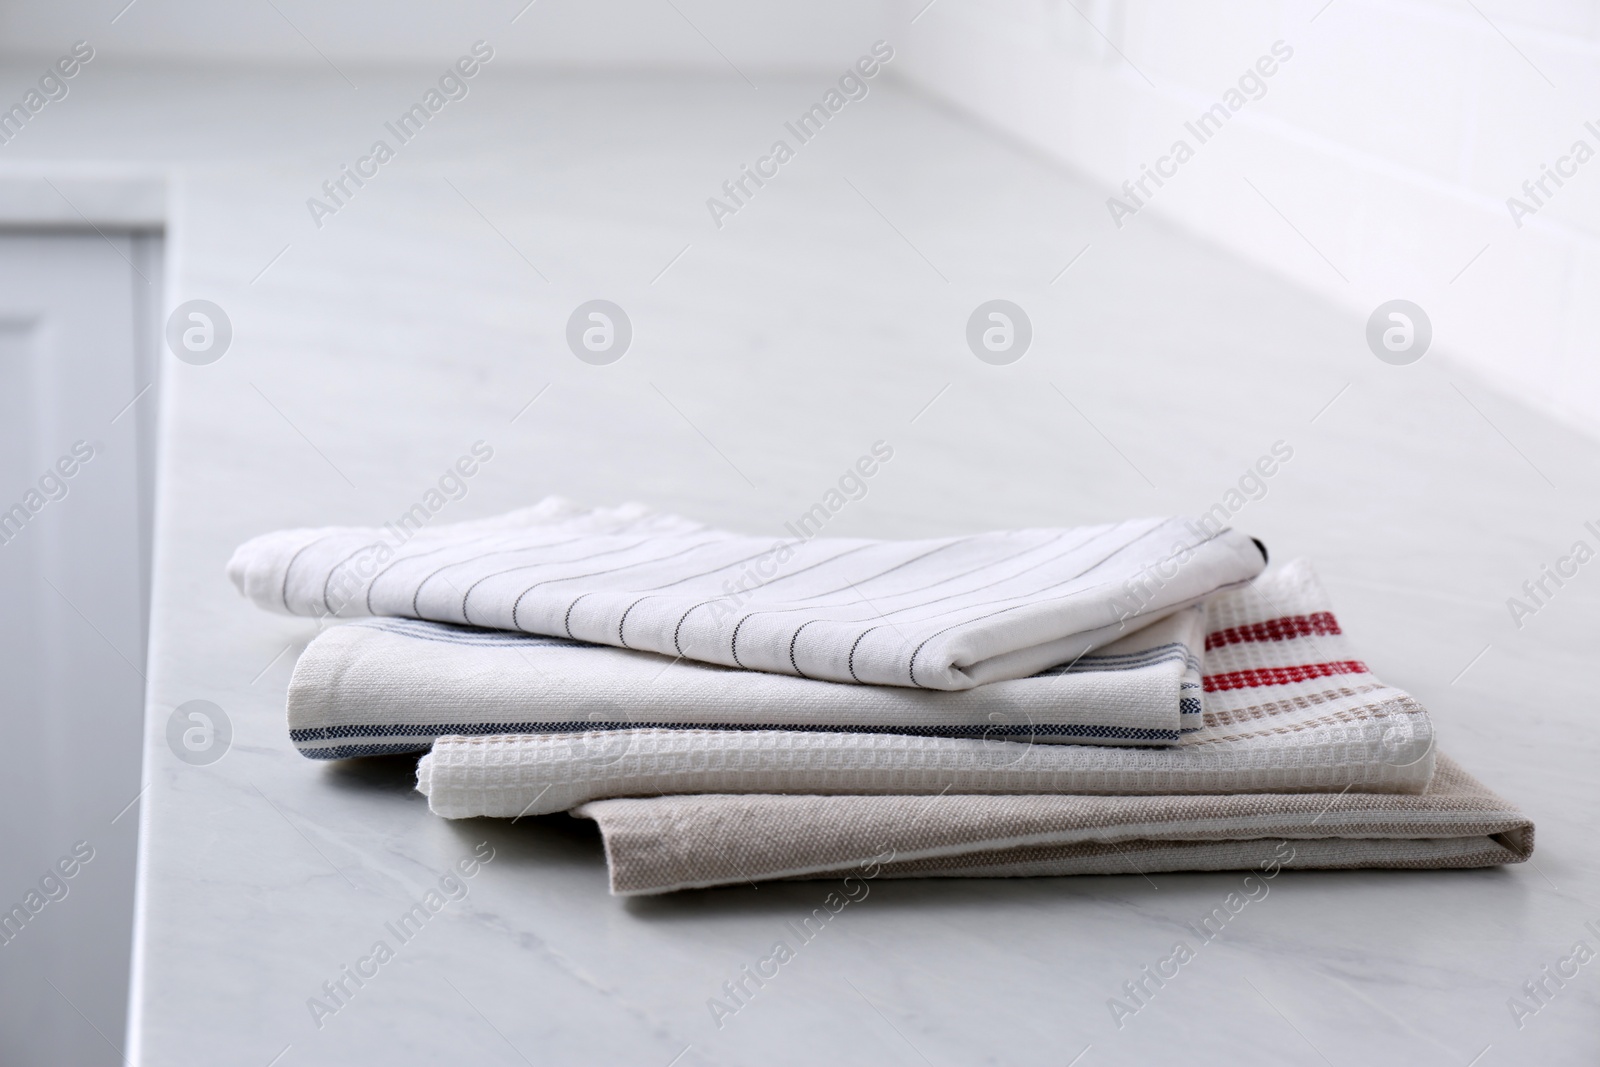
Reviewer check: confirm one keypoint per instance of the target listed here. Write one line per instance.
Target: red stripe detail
(1283, 629)
(1303, 672)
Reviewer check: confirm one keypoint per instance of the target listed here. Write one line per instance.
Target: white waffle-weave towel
(950, 613)
(1287, 709)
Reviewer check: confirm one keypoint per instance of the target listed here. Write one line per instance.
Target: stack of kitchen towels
(1124, 698)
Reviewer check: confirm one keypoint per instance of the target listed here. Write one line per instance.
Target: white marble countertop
(429, 313)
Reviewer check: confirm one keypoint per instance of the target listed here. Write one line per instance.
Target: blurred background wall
(1394, 186)
(603, 34)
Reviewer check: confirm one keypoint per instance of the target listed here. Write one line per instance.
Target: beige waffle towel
(667, 843)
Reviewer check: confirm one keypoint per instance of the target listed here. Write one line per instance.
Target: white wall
(653, 34)
(1391, 141)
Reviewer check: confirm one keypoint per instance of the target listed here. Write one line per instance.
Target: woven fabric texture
(393, 685)
(663, 844)
(949, 614)
(1287, 709)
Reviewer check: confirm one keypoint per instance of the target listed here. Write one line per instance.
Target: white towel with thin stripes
(379, 686)
(949, 613)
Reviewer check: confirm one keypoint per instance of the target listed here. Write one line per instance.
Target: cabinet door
(76, 422)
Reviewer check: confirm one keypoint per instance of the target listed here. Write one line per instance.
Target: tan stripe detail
(1363, 713)
(1268, 709)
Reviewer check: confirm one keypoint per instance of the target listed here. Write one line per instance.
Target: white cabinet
(77, 418)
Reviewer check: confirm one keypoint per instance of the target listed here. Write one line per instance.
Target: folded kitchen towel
(393, 685)
(1287, 709)
(950, 613)
(667, 843)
